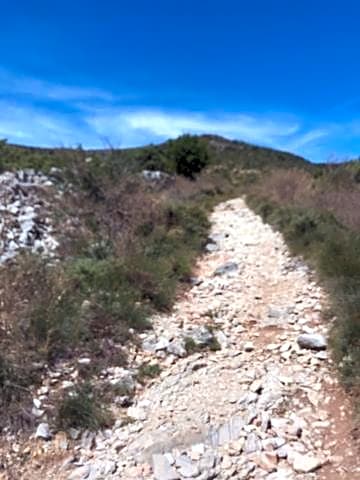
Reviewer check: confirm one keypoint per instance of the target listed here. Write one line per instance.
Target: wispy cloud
(37, 112)
(22, 85)
(35, 126)
(141, 123)
(307, 138)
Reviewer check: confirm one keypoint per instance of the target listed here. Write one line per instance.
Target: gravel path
(265, 406)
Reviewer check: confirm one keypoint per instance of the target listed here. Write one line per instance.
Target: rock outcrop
(24, 220)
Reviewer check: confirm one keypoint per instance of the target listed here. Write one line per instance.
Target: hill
(240, 154)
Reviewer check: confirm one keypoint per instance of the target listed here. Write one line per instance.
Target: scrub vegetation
(128, 246)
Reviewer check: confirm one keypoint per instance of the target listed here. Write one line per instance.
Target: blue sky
(281, 73)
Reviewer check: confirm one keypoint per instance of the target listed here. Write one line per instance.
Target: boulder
(162, 468)
(43, 431)
(177, 348)
(306, 463)
(187, 468)
(202, 336)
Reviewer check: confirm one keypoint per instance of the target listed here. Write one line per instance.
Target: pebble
(311, 341)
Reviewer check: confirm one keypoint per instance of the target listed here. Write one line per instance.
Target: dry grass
(299, 188)
(344, 204)
(286, 186)
(124, 251)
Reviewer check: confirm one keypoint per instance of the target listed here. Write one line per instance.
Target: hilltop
(243, 154)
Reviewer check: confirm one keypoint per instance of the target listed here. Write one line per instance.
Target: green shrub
(340, 255)
(190, 345)
(17, 375)
(56, 326)
(193, 220)
(53, 314)
(345, 335)
(58, 320)
(155, 158)
(114, 297)
(148, 371)
(13, 382)
(82, 409)
(214, 345)
(305, 230)
(189, 154)
(167, 251)
(154, 278)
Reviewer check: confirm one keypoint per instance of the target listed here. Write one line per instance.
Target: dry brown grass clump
(299, 188)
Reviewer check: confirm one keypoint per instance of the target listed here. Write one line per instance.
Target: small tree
(189, 154)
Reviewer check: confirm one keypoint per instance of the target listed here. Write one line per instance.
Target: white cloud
(33, 126)
(137, 124)
(40, 89)
(308, 138)
(37, 112)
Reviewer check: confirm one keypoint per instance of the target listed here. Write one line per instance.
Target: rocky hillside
(121, 359)
(25, 214)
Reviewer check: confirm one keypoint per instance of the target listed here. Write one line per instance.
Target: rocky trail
(267, 405)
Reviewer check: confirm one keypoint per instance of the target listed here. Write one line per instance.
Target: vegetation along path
(266, 405)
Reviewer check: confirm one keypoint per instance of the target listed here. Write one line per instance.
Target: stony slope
(262, 407)
(24, 220)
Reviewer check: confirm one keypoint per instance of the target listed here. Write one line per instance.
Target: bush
(155, 277)
(79, 303)
(82, 409)
(192, 347)
(305, 230)
(13, 380)
(16, 377)
(340, 256)
(155, 158)
(193, 221)
(189, 154)
(345, 338)
(166, 252)
(114, 300)
(148, 371)
(55, 321)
